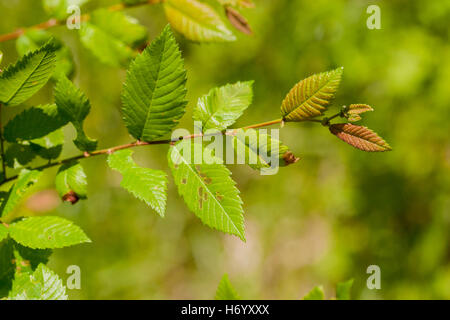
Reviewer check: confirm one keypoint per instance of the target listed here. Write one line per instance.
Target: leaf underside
(222, 106)
(311, 97)
(359, 137)
(197, 21)
(258, 148)
(145, 184)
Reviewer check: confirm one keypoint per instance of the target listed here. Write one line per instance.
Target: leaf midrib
(28, 77)
(209, 191)
(154, 89)
(313, 95)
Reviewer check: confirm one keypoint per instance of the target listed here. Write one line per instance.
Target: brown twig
(55, 22)
(133, 145)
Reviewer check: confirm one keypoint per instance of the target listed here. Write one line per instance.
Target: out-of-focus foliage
(326, 219)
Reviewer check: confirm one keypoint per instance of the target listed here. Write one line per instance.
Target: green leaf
(237, 3)
(58, 8)
(47, 232)
(74, 106)
(71, 180)
(1, 57)
(197, 21)
(20, 81)
(222, 106)
(34, 123)
(25, 180)
(208, 190)
(17, 259)
(257, 148)
(343, 290)
(43, 284)
(359, 137)
(19, 155)
(358, 108)
(354, 110)
(311, 97)
(154, 91)
(32, 39)
(225, 291)
(111, 37)
(3, 232)
(50, 146)
(132, 2)
(31, 257)
(315, 294)
(7, 266)
(145, 184)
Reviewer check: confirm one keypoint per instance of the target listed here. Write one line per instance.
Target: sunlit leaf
(353, 111)
(154, 91)
(47, 232)
(43, 284)
(225, 290)
(18, 82)
(311, 97)
(197, 21)
(222, 106)
(145, 184)
(358, 108)
(208, 190)
(33, 39)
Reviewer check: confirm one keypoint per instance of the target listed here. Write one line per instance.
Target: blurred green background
(320, 221)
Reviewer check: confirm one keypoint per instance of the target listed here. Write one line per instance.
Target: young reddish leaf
(359, 137)
(354, 117)
(358, 109)
(238, 21)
